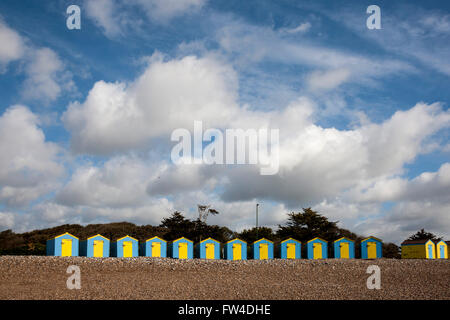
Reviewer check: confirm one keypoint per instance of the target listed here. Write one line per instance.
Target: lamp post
(257, 205)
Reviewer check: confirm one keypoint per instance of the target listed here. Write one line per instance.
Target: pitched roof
(415, 241)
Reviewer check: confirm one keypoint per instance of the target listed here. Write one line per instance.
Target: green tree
(253, 234)
(423, 235)
(307, 225)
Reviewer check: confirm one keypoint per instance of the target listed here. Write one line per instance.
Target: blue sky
(363, 114)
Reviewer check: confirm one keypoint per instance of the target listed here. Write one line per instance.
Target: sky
(86, 115)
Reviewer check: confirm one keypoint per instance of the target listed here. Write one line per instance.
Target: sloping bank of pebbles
(36, 277)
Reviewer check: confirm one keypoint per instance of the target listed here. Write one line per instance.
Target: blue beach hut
(262, 249)
(371, 248)
(235, 249)
(125, 247)
(95, 246)
(181, 248)
(154, 247)
(344, 248)
(208, 249)
(317, 248)
(441, 250)
(290, 249)
(64, 245)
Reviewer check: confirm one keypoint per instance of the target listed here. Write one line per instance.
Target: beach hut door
(371, 250)
(127, 249)
(98, 248)
(66, 247)
(156, 249)
(345, 252)
(182, 250)
(290, 248)
(210, 251)
(264, 251)
(442, 254)
(317, 251)
(237, 251)
(430, 251)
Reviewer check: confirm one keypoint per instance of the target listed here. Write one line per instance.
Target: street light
(257, 205)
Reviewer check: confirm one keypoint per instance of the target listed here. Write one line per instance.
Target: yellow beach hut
(418, 249)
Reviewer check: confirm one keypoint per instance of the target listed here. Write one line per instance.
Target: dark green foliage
(251, 235)
(423, 235)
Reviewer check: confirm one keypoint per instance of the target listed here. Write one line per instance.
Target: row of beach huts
(67, 245)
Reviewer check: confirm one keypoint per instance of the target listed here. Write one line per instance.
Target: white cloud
(164, 10)
(29, 166)
(13, 46)
(45, 79)
(106, 15)
(326, 80)
(303, 27)
(6, 220)
(169, 95)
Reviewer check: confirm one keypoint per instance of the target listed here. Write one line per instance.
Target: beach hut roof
(66, 233)
(184, 239)
(317, 238)
(127, 237)
(423, 241)
(155, 237)
(344, 238)
(210, 239)
(235, 240)
(290, 239)
(98, 235)
(371, 237)
(262, 240)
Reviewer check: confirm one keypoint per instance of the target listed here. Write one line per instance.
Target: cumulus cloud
(168, 95)
(107, 15)
(45, 78)
(12, 48)
(164, 10)
(29, 166)
(326, 80)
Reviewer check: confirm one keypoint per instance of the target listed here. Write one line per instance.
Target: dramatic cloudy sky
(86, 115)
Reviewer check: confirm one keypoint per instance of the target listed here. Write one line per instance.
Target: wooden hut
(181, 248)
(154, 247)
(95, 246)
(317, 248)
(262, 249)
(64, 245)
(418, 249)
(125, 247)
(441, 250)
(208, 249)
(344, 248)
(371, 248)
(290, 249)
(235, 249)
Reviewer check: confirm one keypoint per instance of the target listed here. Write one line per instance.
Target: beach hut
(418, 249)
(95, 246)
(344, 248)
(441, 250)
(371, 248)
(448, 248)
(317, 248)
(181, 248)
(208, 249)
(154, 247)
(262, 249)
(235, 249)
(290, 249)
(125, 247)
(64, 245)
